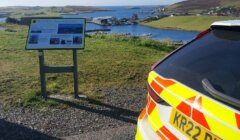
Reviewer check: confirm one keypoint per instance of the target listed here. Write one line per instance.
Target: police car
(194, 93)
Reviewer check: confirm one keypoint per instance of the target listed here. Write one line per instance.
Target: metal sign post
(57, 34)
(58, 69)
(42, 73)
(75, 73)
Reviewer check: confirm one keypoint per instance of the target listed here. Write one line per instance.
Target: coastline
(19, 12)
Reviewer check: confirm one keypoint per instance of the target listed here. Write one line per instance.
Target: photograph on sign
(56, 34)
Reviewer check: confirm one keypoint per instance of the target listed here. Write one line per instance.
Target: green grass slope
(107, 62)
(232, 3)
(189, 5)
(191, 23)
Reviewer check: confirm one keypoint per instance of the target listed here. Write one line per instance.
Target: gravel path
(118, 113)
(120, 133)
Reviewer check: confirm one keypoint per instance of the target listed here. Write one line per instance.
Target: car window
(215, 57)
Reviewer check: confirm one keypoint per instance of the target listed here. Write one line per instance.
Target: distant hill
(37, 11)
(190, 5)
(189, 23)
(83, 8)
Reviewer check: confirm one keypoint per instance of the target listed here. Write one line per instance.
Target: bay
(3, 20)
(136, 30)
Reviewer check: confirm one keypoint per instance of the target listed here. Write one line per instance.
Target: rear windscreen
(216, 57)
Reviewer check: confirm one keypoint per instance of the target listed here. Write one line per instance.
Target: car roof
(227, 23)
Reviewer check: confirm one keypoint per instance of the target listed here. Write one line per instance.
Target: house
(103, 20)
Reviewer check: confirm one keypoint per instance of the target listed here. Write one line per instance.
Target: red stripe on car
(142, 114)
(184, 108)
(238, 119)
(199, 117)
(156, 87)
(168, 133)
(191, 100)
(151, 106)
(165, 83)
(161, 135)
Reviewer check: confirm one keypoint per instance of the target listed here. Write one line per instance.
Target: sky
(84, 2)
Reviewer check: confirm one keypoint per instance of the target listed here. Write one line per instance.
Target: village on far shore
(159, 13)
(156, 14)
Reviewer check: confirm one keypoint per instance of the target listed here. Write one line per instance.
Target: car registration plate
(189, 128)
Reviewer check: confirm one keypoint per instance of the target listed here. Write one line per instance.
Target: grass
(106, 62)
(230, 3)
(193, 6)
(190, 23)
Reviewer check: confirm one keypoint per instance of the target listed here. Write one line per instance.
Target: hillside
(25, 11)
(190, 5)
(191, 23)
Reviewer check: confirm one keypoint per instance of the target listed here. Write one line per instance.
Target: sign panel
(56, 34)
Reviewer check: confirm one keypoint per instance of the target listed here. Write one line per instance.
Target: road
(120, 133)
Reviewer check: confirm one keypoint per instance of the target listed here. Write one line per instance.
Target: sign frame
(44, 69)
(62, 48)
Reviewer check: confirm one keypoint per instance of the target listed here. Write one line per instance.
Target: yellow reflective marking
(222, 130)
(220, 112)
(138, 135)
(224, 120)
(154, 120)
(176, 88)
(177, 93)
(170, 98)
(152, 75)
(182, 91)
(150, 80)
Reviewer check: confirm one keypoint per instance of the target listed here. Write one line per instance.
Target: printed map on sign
(56, 34)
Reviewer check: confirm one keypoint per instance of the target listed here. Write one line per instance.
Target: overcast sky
(84, 2)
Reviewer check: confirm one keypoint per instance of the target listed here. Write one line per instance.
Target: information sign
(56, 34)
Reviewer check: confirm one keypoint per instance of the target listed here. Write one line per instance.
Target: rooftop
(100, 18)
